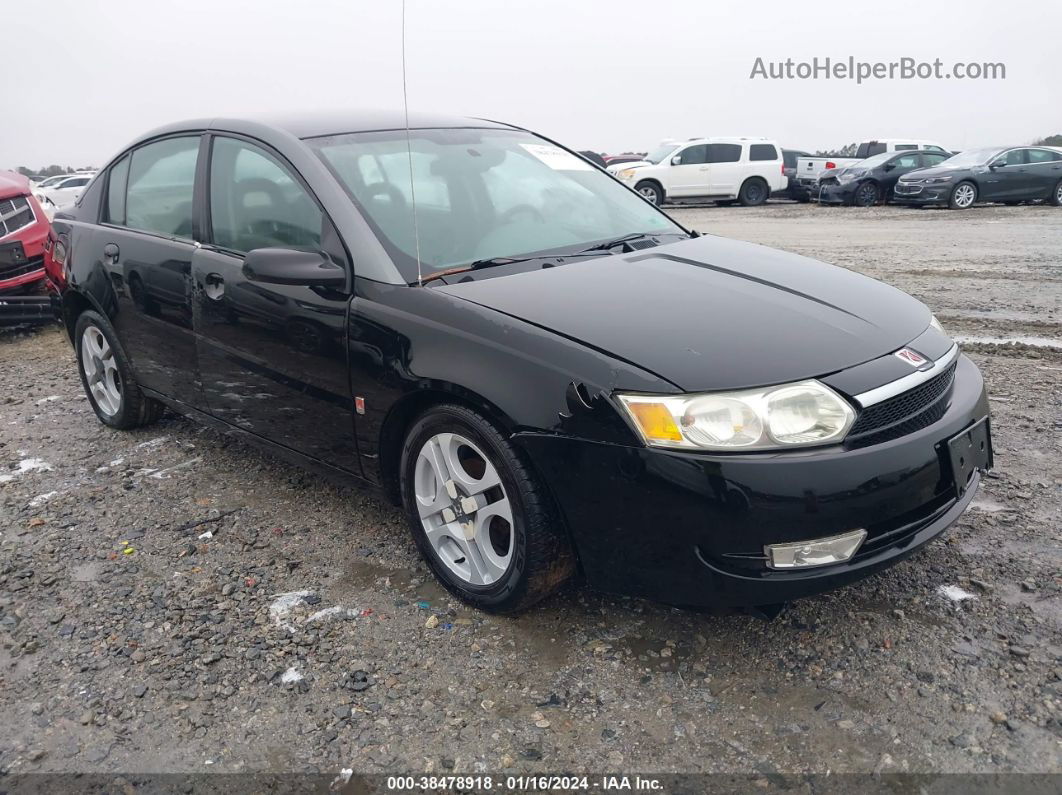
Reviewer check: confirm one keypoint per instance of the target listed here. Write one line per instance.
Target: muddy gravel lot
(173, 600)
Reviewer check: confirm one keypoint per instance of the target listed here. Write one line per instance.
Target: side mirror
(889, 166)
(287, 266)
(997, 164)
(676, 160)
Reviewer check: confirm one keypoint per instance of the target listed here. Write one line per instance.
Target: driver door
(689, 175)
(272, 357)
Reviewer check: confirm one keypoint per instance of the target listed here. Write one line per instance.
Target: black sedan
(872, 181)
(1010, 175)
(545, 371)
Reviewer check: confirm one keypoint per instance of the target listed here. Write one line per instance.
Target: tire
(867, 195)
(754, 192)
(963, 196)
(107, 377)
(1056, 195)
(509, 565)
(650, 191)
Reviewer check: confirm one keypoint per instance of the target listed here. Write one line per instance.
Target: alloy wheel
(867, 196)
(101, 371)
(1058, 193)
(648, 193)
(464, 510)
(964, 196)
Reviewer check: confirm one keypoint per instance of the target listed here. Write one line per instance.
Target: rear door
(725, 170)
(143, 246)
(1045, 171)
(689, 176)
(272, 357)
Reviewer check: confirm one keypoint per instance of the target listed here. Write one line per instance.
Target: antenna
(409, 148)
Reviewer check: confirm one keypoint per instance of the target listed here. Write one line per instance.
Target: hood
(13, 184)
(711, 313)
(936, 171)
(615, 169)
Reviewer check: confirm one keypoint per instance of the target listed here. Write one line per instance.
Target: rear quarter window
(763, 152)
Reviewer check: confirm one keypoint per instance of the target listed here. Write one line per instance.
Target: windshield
(481, 194)
(661, 153)
(974, 157)
(872, 162)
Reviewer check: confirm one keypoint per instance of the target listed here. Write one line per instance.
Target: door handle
(704, 168)
(214, 286)
(110, 253)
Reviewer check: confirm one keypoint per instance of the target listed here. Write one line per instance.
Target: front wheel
(963, 196)
(482, 521)
(867, 195)
(651, 192)
(107, 375)
(753, 192)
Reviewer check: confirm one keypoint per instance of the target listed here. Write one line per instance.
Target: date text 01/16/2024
(518, 783)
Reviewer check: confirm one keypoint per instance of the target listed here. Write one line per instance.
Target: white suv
(724, 169)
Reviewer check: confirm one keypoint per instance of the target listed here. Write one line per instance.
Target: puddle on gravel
(1033, 342)
(364, 573)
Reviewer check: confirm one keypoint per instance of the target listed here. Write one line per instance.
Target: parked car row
(1011, 175)
(63, 190)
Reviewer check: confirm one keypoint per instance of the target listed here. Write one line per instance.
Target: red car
(24, 231)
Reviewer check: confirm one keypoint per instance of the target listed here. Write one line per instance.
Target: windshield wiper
(479, 264)
(611, 244)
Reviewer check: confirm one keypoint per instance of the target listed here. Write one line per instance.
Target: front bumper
(689, 528)
(840, 193)
(920, 193)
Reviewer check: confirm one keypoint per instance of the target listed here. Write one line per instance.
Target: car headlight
(626, 173)
(778, 417)
(849, 176)
(939, 180)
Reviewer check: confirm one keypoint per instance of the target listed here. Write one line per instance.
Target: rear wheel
(482, 521)
(867, 195)
(1056, 195)
(107, 375)
(753, 192)
(650, 191)
(963, 196)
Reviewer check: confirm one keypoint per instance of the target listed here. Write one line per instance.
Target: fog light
(819, 552)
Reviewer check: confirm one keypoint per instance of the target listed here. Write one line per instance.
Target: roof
(313, 124)
(13, 184)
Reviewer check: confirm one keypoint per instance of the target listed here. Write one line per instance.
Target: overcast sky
(84, 78)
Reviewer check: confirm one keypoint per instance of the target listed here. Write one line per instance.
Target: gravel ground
(295, 629)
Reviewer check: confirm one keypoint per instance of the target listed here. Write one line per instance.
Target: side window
(76, 182)
(762, 152)
(114, 209)
(907, 161)
(692, 155)
(930, 159)
(161, 176)
(1015, 157)
(905, 147)
(724, 153)
(870, 148)
(255, 202)
(1042, 156)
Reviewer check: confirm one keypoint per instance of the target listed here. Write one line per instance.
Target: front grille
(906, 413)
(14, 271)
(15, 214)
(908, 190)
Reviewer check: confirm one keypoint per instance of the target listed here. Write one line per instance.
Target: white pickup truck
(809, 169)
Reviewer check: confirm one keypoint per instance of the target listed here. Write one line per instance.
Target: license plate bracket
(12, 253)
(970, 450)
